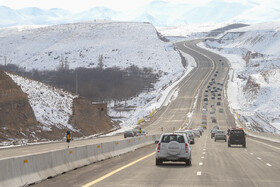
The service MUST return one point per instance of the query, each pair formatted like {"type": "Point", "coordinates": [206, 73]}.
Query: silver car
{"type": "Point", "coordinates": [191, 136]}
{"type": "Point", "coordinates": [196, 133]}
{"type": "Point", "coordinates": [173, 147]}
{"type": "Point", "coordinates": [220, 135]}
{"type": "Point", "coordinates": [184, 132]}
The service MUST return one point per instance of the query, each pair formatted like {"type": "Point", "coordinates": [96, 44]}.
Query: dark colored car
{"type": "Point", "coordinates": [128, 134]}
{"type": "Point", "coordinates": [237, 137]}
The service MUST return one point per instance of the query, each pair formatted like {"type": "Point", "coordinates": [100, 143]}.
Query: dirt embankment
{"type": "Point", "coordinates": [18, 122]}
{"type": "Point", "coordinates": [89, 119]}
{"type": "Point", "coordinates": [17, 119]}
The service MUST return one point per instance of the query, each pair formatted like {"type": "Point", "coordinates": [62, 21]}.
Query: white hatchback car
{"type": "Point", "coordinates": [173, 147]}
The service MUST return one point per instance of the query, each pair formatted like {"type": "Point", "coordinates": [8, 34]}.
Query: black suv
{"type": "Point", "coordinates": [237, 136]}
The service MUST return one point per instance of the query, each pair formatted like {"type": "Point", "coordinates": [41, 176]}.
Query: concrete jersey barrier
{"type": "Point", "coordinates": [24, 170]}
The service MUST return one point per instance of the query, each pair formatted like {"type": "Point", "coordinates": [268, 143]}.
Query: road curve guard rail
{"type": "Point", "coordinates": [29, 169]}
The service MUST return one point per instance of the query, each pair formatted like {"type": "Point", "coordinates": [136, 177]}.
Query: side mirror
{"type": "Point", "coordinates": [156, 142]}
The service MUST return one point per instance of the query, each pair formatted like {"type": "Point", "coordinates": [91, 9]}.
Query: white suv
{"type": "Point", "coordinates": [173, 147]}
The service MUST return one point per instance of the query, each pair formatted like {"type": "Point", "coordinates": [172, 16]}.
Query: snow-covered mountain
{"type": "Point", "coordinates": [253, 89]}
{"type": "Point", "coordinates": [159, 13]}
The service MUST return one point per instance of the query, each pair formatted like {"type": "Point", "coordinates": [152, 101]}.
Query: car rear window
{"type": "Point", "coordinates": [175, 137]}
{"type": "Point", "coordinates": [221, 132]}
{"type": "Point", "coordinates": [237, 132]}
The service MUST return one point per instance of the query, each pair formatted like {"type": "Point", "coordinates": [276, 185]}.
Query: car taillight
{"type": "Point", "coordinates": [187, 147]}
{"type": "Point", "coordinates": [158, 148]}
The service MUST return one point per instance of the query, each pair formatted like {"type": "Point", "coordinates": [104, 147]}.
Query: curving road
{"type": "Point", "coordinates": [213, 163]}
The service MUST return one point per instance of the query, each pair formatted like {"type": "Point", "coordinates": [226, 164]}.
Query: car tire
{"type": "Point", "coordinates": [189, 162]}
{"type": "Point", "coordinates": [244, 145]}
{"type": "Point", "coordinates": [215, 139]}
{"type": "Point", "coordinates": [225, 140]}
{"type": "Point", "coordinates": [229, 145]}
{"type": "Point", "coordinates": [158, 162]}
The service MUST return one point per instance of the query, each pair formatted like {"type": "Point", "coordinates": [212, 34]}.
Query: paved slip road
{"type": "Point", "coordinates": [213, 163]}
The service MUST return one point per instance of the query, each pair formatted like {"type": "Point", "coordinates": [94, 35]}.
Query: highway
{"type": "Point", "coordinates": [213, 163]}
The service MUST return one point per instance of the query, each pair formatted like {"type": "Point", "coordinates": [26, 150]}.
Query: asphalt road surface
{"type": "Point", "coordinates": [213, 163]}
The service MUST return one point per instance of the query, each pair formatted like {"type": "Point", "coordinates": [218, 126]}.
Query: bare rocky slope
{"type": "Point", "coordinates": [17, 119]}
{"type": "Point", "coordinates": [18, 122]}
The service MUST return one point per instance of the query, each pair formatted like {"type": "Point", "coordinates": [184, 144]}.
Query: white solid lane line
{"type": "Point", "coordinates": [268, 164]}
{"type": "Point", "coordinates": [200, 163]}
{"type": "Point", "coordinates": [198, 173]}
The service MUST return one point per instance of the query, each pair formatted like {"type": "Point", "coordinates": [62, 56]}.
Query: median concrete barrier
{"type": "Point", "coordinates": [24, 170]}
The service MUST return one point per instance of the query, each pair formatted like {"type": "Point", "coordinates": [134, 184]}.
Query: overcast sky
{"type": "Point", "coordinates": [80, 5]}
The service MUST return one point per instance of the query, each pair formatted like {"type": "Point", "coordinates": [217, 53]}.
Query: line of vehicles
{"type": "Point", "coordinates": [213, 94]}
{"type": "Point", "coordinates": [176, 147]}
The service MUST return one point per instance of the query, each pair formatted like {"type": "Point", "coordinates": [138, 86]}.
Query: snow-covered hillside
{"type": "Point", "coordinates": [253, 89]}
{"type": "Point", "coordinates": [51, 106]}
{"type": "Point", "coordinates": [119, 44]}
{"type": "Point", "coordinates": [190, 31]}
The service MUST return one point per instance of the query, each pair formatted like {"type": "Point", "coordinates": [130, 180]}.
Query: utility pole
{"type": "Point", "coordinates": [76, 78]}
{"type": "Point", "coordinates": [76, 82]}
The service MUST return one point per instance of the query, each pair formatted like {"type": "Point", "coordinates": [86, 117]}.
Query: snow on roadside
{"type": "Point", "coordinates": [51, 106]}
{"type": "Point", "coordinates": [253, 87]}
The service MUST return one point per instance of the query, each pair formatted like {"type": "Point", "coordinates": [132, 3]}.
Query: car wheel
{"type": "Point", "coordinates": [158, 162]}
{"type": "Point", "coordinates": [215, 139]}
{"type": "Point", "coordinates": [229, 145]}
{"type": "Point", "coordinates": [244, 145]}
{"type": "Point", "coordinates": [189, 162]}
{"type": "Point", "coordinates": [225, 140]}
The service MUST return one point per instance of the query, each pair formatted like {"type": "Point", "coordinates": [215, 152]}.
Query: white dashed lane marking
{"type": "Point", "coordinates": [251, 153]}
{"type": "Point", "coordinates": [203, 153]}
{"type": "Point", "coordinates": [200, 163]}
{"type": "Point", "coordinates": [259, 158]}
{"type": "Point", "coordinates": [268, 164]}
{"type": "Point", "coordinates": [202, 157]}
{"type": "Point", "coordinates": [198, 173]}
